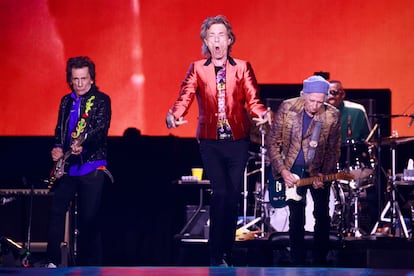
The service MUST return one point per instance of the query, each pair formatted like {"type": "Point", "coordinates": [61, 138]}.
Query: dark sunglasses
{"type": "Point", "coordinates": [334, 92]}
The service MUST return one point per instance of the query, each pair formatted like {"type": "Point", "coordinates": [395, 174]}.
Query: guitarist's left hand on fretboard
{"type": "Point", "coordinates": [318, 184]}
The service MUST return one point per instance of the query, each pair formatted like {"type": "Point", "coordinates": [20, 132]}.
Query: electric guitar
{"type": "Point", "coordinates": [282, 193]}
{"type": "Point", "coordinates": [277, 192]}
{"type": "Point", "coordinates": [59, 166]}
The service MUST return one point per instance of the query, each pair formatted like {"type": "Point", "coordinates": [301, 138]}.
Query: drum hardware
{"type": "Point", "coordinates": [259, 196]}
{"type": "Point", "coordinates": [392, 207]}
{"type": "Point", "coordinates": [360, 163]}
{"type": "Point", "coordinates": [377, 128]}
{"type": "Point", "coordinates": [355, 230]}
{"type": "Point", "coordinates": [378, 178]}
{"type": "Point", "coordinates": [363, 178]}
{"type": "Point", "coordinates": [245, 185]}
{"type": "Point", "coordinates": [394, 141]}
{"type": "Point", "coordinates": [349, 141]}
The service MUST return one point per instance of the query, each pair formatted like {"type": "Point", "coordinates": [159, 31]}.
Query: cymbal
{"type": "Point", "coordinates": [397, 140]}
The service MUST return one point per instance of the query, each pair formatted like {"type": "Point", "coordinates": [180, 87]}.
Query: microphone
{"type": "Point", "coordinates": [411, 121]}
{"type": "Point", "coordinates": [170, 120]}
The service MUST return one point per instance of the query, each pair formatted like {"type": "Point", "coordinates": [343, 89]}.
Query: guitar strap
{"type": "Point", "coordinates": [84, 119]}
{"type": "Point", "coordinates": [314, 142]}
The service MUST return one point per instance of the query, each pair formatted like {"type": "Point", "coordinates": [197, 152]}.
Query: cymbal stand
{"type": "Point", "coordinates": [246, 188]}
{"type": "Point", "coordinates": [377, 128]}
{"type": "Point", "coordinates": [245, 194]}
{"type": "Point", "coordinates": [260, 196]}
{"type": "Point", "coordinates": [356, 231]}
{"type": "Point", "coordinates": [262, 172]}
{"type": "Point", "coordinates": [378, 170]}
{"type": "Point", "coordinates": [392, 205]}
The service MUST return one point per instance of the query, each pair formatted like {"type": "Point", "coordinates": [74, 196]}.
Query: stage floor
{"type": "Point", "coordinates": [203, 271]}
{"type": "Point", "coordinates": [368, 256]}
{"type": "Point", "coordinates": [368, 252]}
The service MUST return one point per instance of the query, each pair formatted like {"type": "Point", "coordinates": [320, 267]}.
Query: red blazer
{"type": "Point", "coordinates": [242, 96]}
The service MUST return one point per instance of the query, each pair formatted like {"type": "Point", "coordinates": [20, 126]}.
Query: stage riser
{"type": "Point", "coordinates": [387, 254]}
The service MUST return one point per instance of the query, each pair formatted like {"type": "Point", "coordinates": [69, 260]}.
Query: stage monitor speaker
{"type": "Point", "coordinates": [198, 227]}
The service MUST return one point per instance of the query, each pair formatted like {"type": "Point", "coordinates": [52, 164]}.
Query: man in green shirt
{"type": "Point", "coordinates": [354, 119]}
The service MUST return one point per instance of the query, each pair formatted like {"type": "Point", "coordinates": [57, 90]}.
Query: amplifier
{"type": "Point", "coordinates": [197, 227]}
{"type": "Point", "coordinates": [15, 214]}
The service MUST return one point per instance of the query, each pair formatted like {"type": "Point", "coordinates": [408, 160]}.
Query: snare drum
{"type": "Point", "coordinates": [359, 160]}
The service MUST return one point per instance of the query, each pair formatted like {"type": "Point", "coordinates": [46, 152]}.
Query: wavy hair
{"type": "Point", "coordinates": [219, 19]}
{"type": "Point", "coordinates": [80, 62]}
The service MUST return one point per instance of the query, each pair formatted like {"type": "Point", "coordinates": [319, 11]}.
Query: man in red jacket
{"type": "Point", "coordinates": [226, 91]}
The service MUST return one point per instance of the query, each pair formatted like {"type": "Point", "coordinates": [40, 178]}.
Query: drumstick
{"type": "Point", "coordinates": [371, 133]}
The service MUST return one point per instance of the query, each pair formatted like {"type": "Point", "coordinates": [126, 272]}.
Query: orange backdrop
{"type": "Point", "coordinates": [142, 50]}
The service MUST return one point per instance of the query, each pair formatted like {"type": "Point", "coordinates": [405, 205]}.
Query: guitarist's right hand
{"type": "Point", "coordinates": [57, 153]}
{"type": "Point", "coordinates": [289, 179]}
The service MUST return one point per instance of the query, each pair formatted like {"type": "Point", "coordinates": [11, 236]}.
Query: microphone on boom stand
{"type": "Point", "coordinates": [348, 143]}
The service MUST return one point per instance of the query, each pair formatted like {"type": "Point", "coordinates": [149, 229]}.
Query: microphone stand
{"type": "Point", "coordinates": [262, 171]}
{"type": "Point", "coordinates": [26, 259]}
{"type": "Point", "coordinates": [349, 141]}
{"type": "Point", "coordinates": [378, 172]}
{"type": "Point", "coordinates": [353, 195]}
{"type": "Point", "coordinates": [377, 127]}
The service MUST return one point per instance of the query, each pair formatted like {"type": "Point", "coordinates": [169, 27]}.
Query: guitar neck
{"type": "Point", "coordinates": [67, 154]}
{"type": "Point", "coordinates": [323, 178]}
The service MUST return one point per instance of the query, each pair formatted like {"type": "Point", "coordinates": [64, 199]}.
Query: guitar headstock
{"type": "Point", "coordinates": [345, 176]}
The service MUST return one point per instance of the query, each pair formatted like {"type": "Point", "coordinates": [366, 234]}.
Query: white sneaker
{"type": "Point", "coordinates": [51, 265]}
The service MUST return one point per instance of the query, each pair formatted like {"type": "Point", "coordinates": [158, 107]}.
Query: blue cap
{"type": "Point", "coordinates": [315, 84]}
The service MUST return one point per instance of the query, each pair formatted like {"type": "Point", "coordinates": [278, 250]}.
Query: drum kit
{"type": "Point", "coordinates": [357, 158]}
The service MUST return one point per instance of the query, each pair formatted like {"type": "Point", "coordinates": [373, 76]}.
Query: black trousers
{"type": "Point", "coordinates": [89, 189]}
{"type": "Point", "coordinates": [322, 226]}
{"type": "Point", "coordinates": [224, 163]}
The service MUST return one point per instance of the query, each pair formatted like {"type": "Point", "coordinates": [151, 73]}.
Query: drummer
{"type": "Point", "coordinates": [355, 126]}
